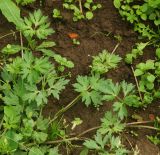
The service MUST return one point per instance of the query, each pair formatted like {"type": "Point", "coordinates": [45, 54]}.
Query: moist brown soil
{"type": "Point", "coordinates": [94, 35]}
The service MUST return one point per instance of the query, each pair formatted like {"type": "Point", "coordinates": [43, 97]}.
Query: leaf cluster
{"type": "Point", "coordinates": [79, 7]}
{"type": "Point", "coordinates": [104, 62]}
{"type": "Point", "coordinates": [95, 90]}
{"type": "Point", "coordinates": [25, 87]}
{"type": "Point", "coordinates": [105, 141]}
{"type": "Point", "coordinates": [138, 13]}
{"type": "Point", "coordinates": [57, 13]}
{"type": "Point", "coordinates": [106, 144]}
{"type": "Point", "coordinates": [135, 52]}
{"type": "Point", "coordinates": [148, 74]}
{"type": "Point", "coordinates": [36, 25]}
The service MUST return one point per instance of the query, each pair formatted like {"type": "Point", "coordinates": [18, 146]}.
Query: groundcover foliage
{"type": "Point", "coordinates": [28, 81]}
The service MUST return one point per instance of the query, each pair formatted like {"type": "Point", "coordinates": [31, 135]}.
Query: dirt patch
{"type": "Point", "coordinates": [95, 35]}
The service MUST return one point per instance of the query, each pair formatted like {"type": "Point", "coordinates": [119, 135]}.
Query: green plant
{"type": "Point", "coordinates": [44, 47]}
{"type": "Point", "coordinates": [138, 13]}
{"type": "Point", "coordinates": [89, 4]}
{"type": "Point", "coordinates": [11, 49]}
{"type": "Point", "coordinates": [76, 122]}
{"type": "Point", "coordinates": [147, 82]}
{"type": "Point", "coordinates": [148, 74]}
{"type": "Point", "coordinates": [11, 12]}
{"type": "Point", "coordinates": [36, 25]}
{"type": "Point", "coordinates": [57, 14]}
{"type": "Point", "coordinates": [25, 85]}
{"type": "Point", "coordinates": [111, 124]}
{"type": "Point", "coordinates": [76, 42]}
{"type": "Point", "coordinates": [105, 141]}
{"type": "Point", "coordinates": [63, 62]}
{"type": "Point", "coordinates": [77, 8]}
{"type": "Point", "coordinates": [156, 138]}
{"type": "Point", "coordinates": [24, 2]}
{"type": "Point", "coordinates": [27, 82]}
{"type": "Point", "coordinates": [96, 90]}
{"type": "Point", "coordinates": [135, 52]}
{"type": "Point", "coordinates": [104, 62]}
{"type": "Point", "coordinates": [89, 86]}
{"type": "Point", "coordinates": [106, 144]}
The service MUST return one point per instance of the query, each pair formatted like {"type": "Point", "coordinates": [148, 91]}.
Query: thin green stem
{"type": "Point", "coordinates": [63, 140]}
{"type": "Point", "coordinates": [115, 48]}
{"type": "Point", "coordinates": [60, 112]}
{"type": "Point", "coordinates": [80, 6]}
{"type": "Point", "coordinates": [71, 104]}
{"type": "Point", "coordinates": [137, 84]}
{"type": "Point", "coordinates": [143, 126]}
{"type": "Point", "coordinates": [141, 122]}
{"type": "Point", "coordinates": [80, 136]}
{"type": "Point", "coordinates": [21, 41]}
{"type": "Point", "coordinates": [1, 123]}
{"type": "Point", "coordinates": [89, 130]}
{"type": "Point", "coordinates": [6, 35]}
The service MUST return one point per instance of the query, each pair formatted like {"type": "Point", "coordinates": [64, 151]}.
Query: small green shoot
{"type": "Point", "coordinates": [76, 122]}
{"type": "Point", "coordinates": [57, 14]}
{"type": "Point", "coordinates": [76, 42]}
{"type": "Point", "coordinates": [104, 62]}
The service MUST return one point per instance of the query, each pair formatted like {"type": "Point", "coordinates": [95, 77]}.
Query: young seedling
{"type": "Point", "coordinates": [76, 122]}
{"type": "Point", "coordinates": [57, 14]}
{"type": "Point", "coordinates": [76, 42]}
{"type": "Point", "coordinates": [79, 6]}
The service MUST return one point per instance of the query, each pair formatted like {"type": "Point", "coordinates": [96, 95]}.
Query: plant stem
{"type": "Point", "coordinates": [137, 84]}
{"type": "Point", "coordinates": [1, 123]}
{"type": "Point", "coordinates": [89, 130]}
{"type": "Point", "coordinates": [129, 142]}
{"type": "Point", "coordinates": [80, 138]}
{"type": "Point", "coordinates": [21, 40]}
{"type": "Point", "coordinates": [80, 6]}
{"type": "Point", "coordinates": [144, 126]}
{"type": "Point", "coordinates": [76, 138]}
{"type": "Point", "coordinates": [12, 33]}
{"type": "Point", "coordinates": [73, 102]}
{"type": "Point", "coordinates": [115, 48]}
{"type": "Point", "coordinates": [63, 140]}
{"type": "Point", "coordinates": [142, 122]}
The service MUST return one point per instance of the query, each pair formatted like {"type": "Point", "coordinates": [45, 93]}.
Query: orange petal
{"type": "Point", "coordinates": [73, 35]}
{"type": "Point", "coordinates": [151, 117]}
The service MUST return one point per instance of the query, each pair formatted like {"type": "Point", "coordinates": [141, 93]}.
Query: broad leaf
{"type": "Point", "coordinates": [11, 12]}
{"type": "Point", "coordinates": [35, 151]}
